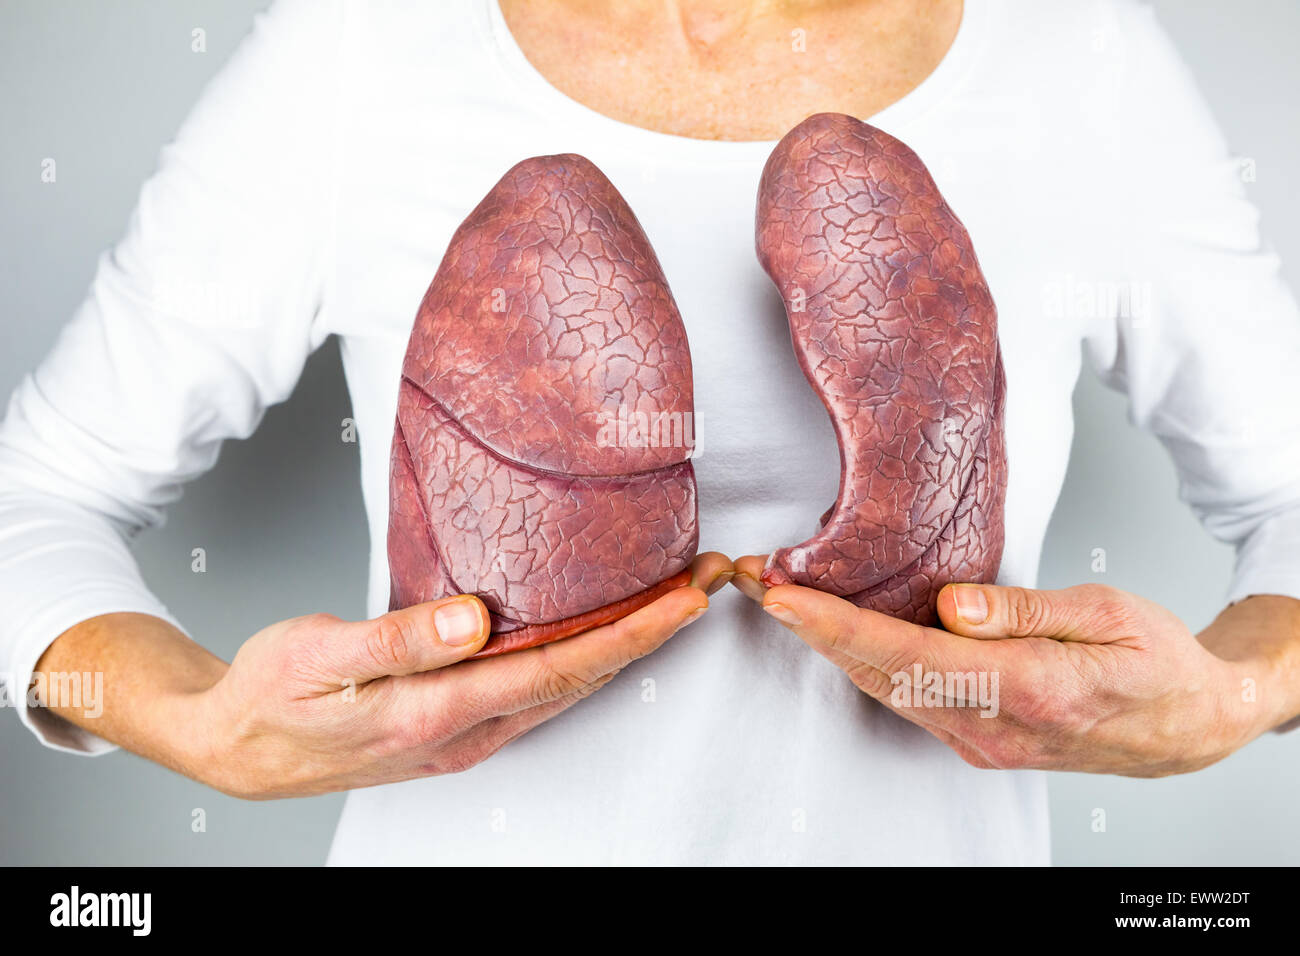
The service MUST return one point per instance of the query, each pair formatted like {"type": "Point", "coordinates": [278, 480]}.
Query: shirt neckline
{"type": "Point", "coordinates": [930, 92]}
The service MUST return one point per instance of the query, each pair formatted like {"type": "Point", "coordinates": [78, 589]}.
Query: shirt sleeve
{"type": "Point", "coordinates": [1205, 336]}
{"type": "Point", "coordinates": [201, 317]}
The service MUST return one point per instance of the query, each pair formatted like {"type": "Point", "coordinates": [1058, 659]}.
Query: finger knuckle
{"type": "Point", "coordinates": [423, 729]}
{"type": "Point", "coordinates": [458, 759]}
{"type": "Point", "coordinates": [636, 639]}
{"type": "Point", "coordinates": [967, 749]}
{"type": "Point", "coordinates": [901, 661]}
{"type": "Point", "coordinates": [1098, 593]}
{"type": "Point", "coordinates": [387, 642]}
{"type": "Point", "coordinates": [897, 669]}
{"type": "Point", "coordinates": [316, 621]}
{"type": "Point", "coordinates": [558, 680]}
{"type": "Point", "coordinates": [973, 758]}
{"type": "Point", "coordinates": [1027, 612]}
{"type": "Point", "coordinates": [871, 681]}
{"type": "Point", "coordinates": [1098, 596]}
{"type": "Point", "coordinates": [1110, 608]}
{"type": "Point", "coordinates": [1006, 752]}
{"type": "Point", "coordinates": [594, 685]}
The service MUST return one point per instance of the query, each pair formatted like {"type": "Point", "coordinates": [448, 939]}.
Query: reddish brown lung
{"type": "Point", "coordinates": [540, 457]}
{"type": "Point", "coordinates": [894, 327]}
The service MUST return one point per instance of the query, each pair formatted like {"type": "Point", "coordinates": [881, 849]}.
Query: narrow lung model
{"type": "Point", "coordinates": [894, 327]}
{"type": "Point", "coordinates": [541, 454]}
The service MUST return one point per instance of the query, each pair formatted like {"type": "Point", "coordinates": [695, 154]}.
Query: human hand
{"type": "Point", "coordinates": [1088, 678]}
{"type": "Point", "coordinates": [315, 704]}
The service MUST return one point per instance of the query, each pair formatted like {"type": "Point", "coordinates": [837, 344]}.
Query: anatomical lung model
{"type": "Point", "coordinates": [894, 327]}
{"type": "Point", "coordinates": [540, 458]}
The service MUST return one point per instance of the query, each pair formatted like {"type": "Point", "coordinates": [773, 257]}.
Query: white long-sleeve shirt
{"type": "Point", "coordinates": [313, 191]}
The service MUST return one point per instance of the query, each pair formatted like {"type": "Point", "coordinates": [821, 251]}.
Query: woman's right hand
{"type": "Point", "coordinates": [316, 704]}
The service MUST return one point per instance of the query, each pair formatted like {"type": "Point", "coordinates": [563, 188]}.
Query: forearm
{"type": "Point", "coordinates": [153, 679]}
{"type": "Point", "coordinates": [1263, 629]}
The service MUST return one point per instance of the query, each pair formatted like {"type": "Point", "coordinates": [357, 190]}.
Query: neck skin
{"type": "Point", "coordinates": [714, 69]}
{"type": "Point", "coordinates": [701, 25]}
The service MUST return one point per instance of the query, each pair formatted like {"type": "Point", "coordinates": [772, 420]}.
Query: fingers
{"type": "Point", "coordinates": [484, 739]}
{"type": "Point", "coordinates": [849, 635]}
{"type": "Point", "coordinates": [711, 571]}
{"type": "Point", "coordinates": [429, 636]}
{"type": "Point", "coordinates": [1089, 612]}
{"type": "Point", "coordinates": [883, 656]}
{"type": "Point", "coordinates": [830, 623]}
{"type": "Point", "coordinates": [748, 574]}
{"type": "Point", "coordinates": [512, 682]}
{"type": "Point", "coordinates": [1019, 703]}
{"type": "Point", "coordinates": [422, 637]}
{"type": "Point", "coordinates": [948, 685]}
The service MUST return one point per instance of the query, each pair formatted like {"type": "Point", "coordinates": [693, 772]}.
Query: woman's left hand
{"type": "Point", "coordinates": [1088, 678]}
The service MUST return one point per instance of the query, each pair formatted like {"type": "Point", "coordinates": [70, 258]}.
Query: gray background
{"type": "Point", "coordinates": [100, 87]}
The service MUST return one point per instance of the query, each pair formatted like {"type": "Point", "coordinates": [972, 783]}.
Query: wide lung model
{"type": "Point", "coordinates": [541, 454]}
{"type": "Point", "coordinates": [894, 327]}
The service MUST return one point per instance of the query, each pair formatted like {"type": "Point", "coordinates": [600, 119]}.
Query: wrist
{"type": "Point", "coordinates": [193, 736]}
{"type": "Point", "coordinates": [1259, 637]}
{"type": "Point", "coordinates": [153, 678]}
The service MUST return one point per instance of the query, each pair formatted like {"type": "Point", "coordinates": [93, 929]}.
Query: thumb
{"type": "Point", "coordinates": [422, 637]}
{"type": "Point", "coordinates": [1088, 612]}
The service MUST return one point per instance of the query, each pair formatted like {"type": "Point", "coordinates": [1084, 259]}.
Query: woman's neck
{"type": "Point", "coordinates": [724, 70]}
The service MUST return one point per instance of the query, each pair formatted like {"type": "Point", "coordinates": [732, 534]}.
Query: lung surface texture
{"type": "Point", "coordinates": [894, 327]}
{"type": "Point", "coordinates": [541, 454]}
